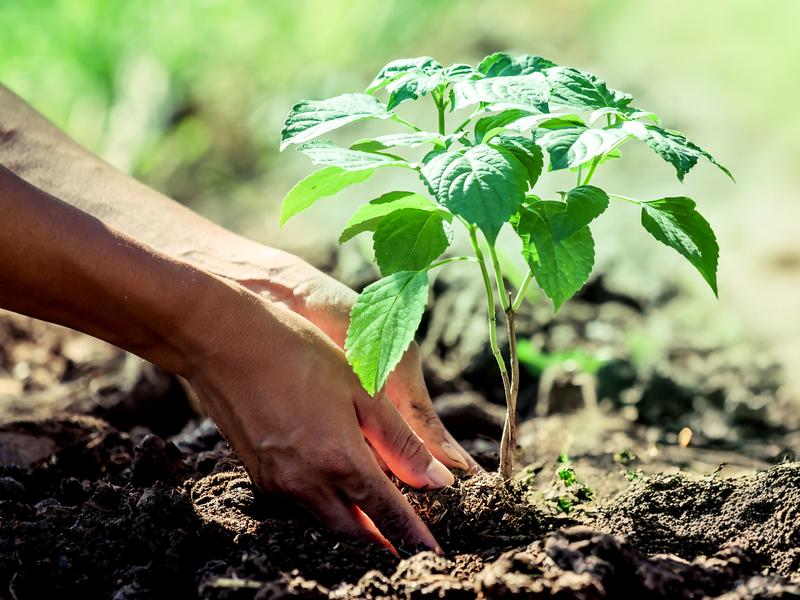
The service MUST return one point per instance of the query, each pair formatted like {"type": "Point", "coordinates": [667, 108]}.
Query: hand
{"type": "Point", "coordinates": [327, 303]}
{"type": "Point", "coordinates": [285, 397]}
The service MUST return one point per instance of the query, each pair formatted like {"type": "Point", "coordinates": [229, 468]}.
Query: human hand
{"type": "Point", "coordinates": [326, 302]}
{"type": "Point", "coordinates": [286, 399]}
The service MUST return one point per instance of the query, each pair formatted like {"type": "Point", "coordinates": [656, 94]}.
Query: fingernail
{"type": "Point", "coordinates": [453, 455]}
{"type": "Point", "coordinates": [439, 475]}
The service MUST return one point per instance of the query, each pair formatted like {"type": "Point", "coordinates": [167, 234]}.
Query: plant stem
{"type": "Point", "coordinates": [508, 442]}
{"type": "Point", "coordinates": [592, 168]}
{"type": "Point", "coordinates": [406, 123]}
{"type": "Point", "coordinates": [440, 108]}
{"type": "Point", "coordinates": [498, 276]}
{"type": "Point", "coordinates": [626, 199]}
{"type": "Point", "coordinates": [487, 284]}
{"type": "Point", "coordinates": [450, 260]}
{"type": "Point", "coordinates": [523, 289]}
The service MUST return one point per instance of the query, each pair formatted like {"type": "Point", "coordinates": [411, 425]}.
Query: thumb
{"type": "Point", "coordinates": [398, 445]}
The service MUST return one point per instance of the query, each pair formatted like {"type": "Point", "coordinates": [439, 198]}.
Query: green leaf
{"type": "Point", "coordinates": [672, 146]}
{"type": "Point", "coordinates": [569, 145]}
{"type": "Point", "coordinates": [328, 154]}
{"type": "Point", "coordinates": [484, 185]}
{"type": "Point", "coordinates": [321, 183]}
{"type": "Point", "coordinates": [676, 223]}
{"type": "Point", "coordinates": [501, 64]}
{"type": "Point", "coordinates": [528, 92]}
{"type": "Point", "coordinates": [461, 72]}
{"type": "Point", "coordinates": [525, 150]}
{"type": "Point", "coordinates": [576, 89]}
{"type": "Point", "coordinates": [411, 86]}
{"type": "Point", "coordinates": [398, 68]}
{"type": "Point", "coordinates": [311, 118]}
{"type": "Point", "coordinates": [368, 216]}
{"type": "Point", "coordinates": [409, 239]}
{"type": "Point", "coordinates": [581, 206]}
{"type": "Point", "coordinates": [382, 325]}
{"type": "Point", "coordinates": [498, 121]}
{"type": "Point", "coordinates": [560, 266]}
{"type": "Point", "coordinates": [407, 140]}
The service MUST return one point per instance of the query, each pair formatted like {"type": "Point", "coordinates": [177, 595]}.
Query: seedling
{"type": "Point", "coordinates": [569, 490]}
{"type": "Point", "coordinates": [516, 113]}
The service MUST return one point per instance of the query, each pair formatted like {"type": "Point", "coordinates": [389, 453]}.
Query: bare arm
{"type": "Point", "coordinates": [40, 153]}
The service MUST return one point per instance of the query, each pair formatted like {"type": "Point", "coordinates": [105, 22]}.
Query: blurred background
{"type": "Point", "coordinates": [190, 96]}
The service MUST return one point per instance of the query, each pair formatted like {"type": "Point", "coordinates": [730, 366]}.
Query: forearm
{"type": "Point", "coordinates": [37, 151]}
{"type": "Point", "coordinates": [62, 265]}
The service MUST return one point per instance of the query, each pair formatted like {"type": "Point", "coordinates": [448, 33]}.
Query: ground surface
{"type": "Point", "coordinates": [111, 485]}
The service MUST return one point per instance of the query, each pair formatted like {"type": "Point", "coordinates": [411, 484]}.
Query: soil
{"type": "Point", "coordinates": [112, 485]}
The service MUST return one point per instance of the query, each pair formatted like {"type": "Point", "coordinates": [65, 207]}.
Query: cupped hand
{"type": "Point", "coordinates": [286, 399]}
{"type": "Point", "coordinates": [326, 302]}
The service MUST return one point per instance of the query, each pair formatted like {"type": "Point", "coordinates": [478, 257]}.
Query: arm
{"type": "Point", "coordinates": [40, 153]}
{"type": "Point", "coordinates": [255, 366]}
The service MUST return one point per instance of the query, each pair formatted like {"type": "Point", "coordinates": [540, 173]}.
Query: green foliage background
{"type": "Point", "coordinates": [190, 95]}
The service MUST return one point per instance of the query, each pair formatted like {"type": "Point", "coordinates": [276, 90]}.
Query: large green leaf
{"type": "Point", "coordinates": [525, 150]}
{"type": "Point", "coordinates": [407, 140]}
{"type": "Point", "coordinates": [311, 118]}
{"type": "Point", "coordinates": [484, 185]}
{"type": "Point", "coordinates": [676, 223]}
{"type": "Point", "coordinates": [569, 145]}
{"type": "Point", "coordinates": [368, 216]}
{"type": "Point", "coordinates": [328, 154]}
{"type": "Point", "coordinates": [560, 265]}
{"type": "Point", "coordinates": [672, 146]}
{"type": "Point", "coordinates": [576, 89]}
{"type": "Point", "coordinates": [382, 325]}
{"type": "Point", "coordinates": [501, 64]}
{"type": "Point", "coordinates": [321, 183]}
{"type": "Point", "coordinates": [397, 68]}
{"type": "Point", "coordinates": [528, 92]}
{"type": "Point", "coordinates": [409, 239]}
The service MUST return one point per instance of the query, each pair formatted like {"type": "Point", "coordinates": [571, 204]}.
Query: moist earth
{"type": "Point", "coordinates": [113, 485]}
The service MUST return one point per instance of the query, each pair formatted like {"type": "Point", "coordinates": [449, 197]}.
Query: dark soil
{"type": "Point", "coordinates": [112, 486]}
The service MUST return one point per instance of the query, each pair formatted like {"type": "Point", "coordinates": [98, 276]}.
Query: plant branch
{"type": "Point", "coordinates": [498, 276]}
{"type": "Point", "coordinates": [508, 443]}
{"type": "Point", "coordinates": [487, 284]}
{"type": "Point", "coordinates": [626, 199]}
{"type": "Point", "coordinates": [450, 260]}
{"type": "Point", "coordinates": [402, 121]}
{"type": "Point", "coordinates": [523, 289]}
{"type": "Point", "coordinates": [592, 168]}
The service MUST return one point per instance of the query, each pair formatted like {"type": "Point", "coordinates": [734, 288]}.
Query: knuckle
{"type": "Point", "coordinates": [410, 446]}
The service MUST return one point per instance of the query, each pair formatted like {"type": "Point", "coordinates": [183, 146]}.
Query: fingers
{"type": "Point", "coordinates": [349, 493]}
{"type": "Point", "coordinates": [397, 444]}
{"type": "Point", "coordinates": [390, 512]}
{"type": "Point", "coordinates": [407, 391]}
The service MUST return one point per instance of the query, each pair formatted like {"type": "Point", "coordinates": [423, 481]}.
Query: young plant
{"type": "Point", "coordinates": [481, 175]}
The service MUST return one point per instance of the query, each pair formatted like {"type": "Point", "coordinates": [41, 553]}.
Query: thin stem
{"type": "Point", "coordinates": [580, 170]}
{"type": "Point", "coordinates": [450, 260]}
{"type": "Point", "coordinates": [626, 199]}
{"type": "Point", "coordinates": [498, 276]}
{"type": "Point", "coordinates": [592, 168]}
{"type": "Point", "coordinates": [404, 122]}
{"type": "Point", "coordinates": [440, 108]}
{"type": "Point", "coordinates": [487, 284]}
{"type": "Point", "coordinates": [468, 119]}
{"type": "Point", "coordinates": [523, 289]}
{"type": "Point", "coordinates": [508, 442]}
